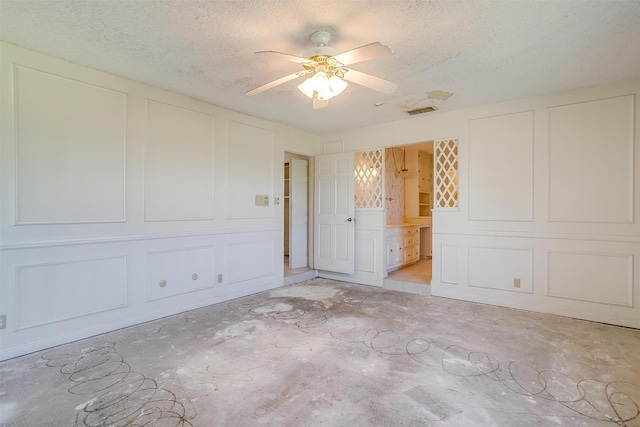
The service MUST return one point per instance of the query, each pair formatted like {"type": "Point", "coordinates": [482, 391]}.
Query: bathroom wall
{"type": "Point", "coordinates": [394, 185]}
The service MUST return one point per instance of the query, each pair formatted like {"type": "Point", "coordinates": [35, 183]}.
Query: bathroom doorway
{"type": "Point", "coordinates": [409, 184]}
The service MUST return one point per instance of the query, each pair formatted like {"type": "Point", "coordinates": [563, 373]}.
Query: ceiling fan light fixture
{"type": "Point", "coordinates": [337, 85]}
{"type": "Point", "coordinates": [320, 82]}
{"type": "Point", "coordinates": [327, 72]}
{"type": "Point", "coordinates": [306, 87]}
{"type": "Point", "coordinates": [322, 87]}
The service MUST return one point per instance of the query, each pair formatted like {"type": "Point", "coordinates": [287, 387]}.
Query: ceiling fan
{"type": "Point", "coordinates": [327, 70]}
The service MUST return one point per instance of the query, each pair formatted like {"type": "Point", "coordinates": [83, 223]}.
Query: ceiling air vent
{"type": "Point", "coordinates": [421, 110]}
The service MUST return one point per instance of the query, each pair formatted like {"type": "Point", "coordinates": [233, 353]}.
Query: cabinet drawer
{"type": "Point", "coordinates": [409, 256]}
{"type": "Point", "coordinates": [408, 241]}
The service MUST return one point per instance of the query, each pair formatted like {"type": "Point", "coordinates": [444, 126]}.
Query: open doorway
{"type": "Point", "coordinates": [296, 218]}
{"type": "Point", "coordinates": [409, 188]}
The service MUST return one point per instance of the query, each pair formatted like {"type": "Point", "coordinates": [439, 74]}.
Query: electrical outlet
{"type": "Point", "coordinates": [3, 321]}
{"type": "Point", "coordinates": [516, 282]}
{"type": "Point", "coordinates": [219, 278]}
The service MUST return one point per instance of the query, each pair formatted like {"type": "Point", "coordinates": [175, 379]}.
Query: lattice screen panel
{"type": "Point", "coordinates": [446, 158]}
{"type": "Point", "coordinates": [368, 172]}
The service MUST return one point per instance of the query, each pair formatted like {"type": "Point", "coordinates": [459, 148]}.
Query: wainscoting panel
{"type": "Point", "coordinates": [593, 277]}
{"type": "Point", "coordinates": [179, 183]}
{"type": "Point", "coordinates": [591, 161]}
{"type": "Point", "coordinates": [366, 245]}
{"type": "Point", "coordinates": [70, 156]}
{"type": "Point", "coordinates": [250, 171]}
{"type": "Point", "coordinates": [499, 268]}
{"type": "Point", "coordinates": [179, 271]}
{"type": "Point", "coordinates": [250, 260]}
{"type": "Point", "coordinates": [52, 292]}
{"type": "Point", "coordinates": [449, 264]}
{"type": "Point", "coordinates": [501, 168]}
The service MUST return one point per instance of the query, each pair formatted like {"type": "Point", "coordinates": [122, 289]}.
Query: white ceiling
{"type": "Point", "coordinates": [482, 51]}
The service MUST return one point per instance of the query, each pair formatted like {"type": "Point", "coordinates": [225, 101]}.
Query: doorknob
{"type": "Point", "coordinates": [349, 219]}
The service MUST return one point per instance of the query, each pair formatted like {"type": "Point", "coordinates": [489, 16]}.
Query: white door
{"type": "Point", "coordinates": [334, 211]}
{"type": "Point", "coordinates": [298, 185]}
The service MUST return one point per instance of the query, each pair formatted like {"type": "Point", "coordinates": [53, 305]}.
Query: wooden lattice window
{"type": "Point", "coordinates": [446, 177]}
{"type": "Point", "coordinates": [368, 182]}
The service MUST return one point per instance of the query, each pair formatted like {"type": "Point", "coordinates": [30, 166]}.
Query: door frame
{"type": "Point", "coordinates": [288, 154]}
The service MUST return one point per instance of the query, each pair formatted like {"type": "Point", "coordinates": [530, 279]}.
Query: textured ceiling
{"type": "Point", "coordinates": [482, 51]}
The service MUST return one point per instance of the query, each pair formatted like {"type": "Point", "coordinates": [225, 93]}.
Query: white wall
{"type": "Point", "coordinates": [549, 193]}
{"type": "Point", "coordinates": [123, 203]}
{"type": "Point", "coordinates": [109, 188]}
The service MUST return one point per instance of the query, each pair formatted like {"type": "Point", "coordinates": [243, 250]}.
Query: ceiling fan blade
{"type": "Point", "coordinates": [363, 53]}
{"type": "Point", "coordinates": [284, 56]}
{"type": "Point", "coordinates": [372, 82]}
{"type": "Point", "coordinates": [318, 104]}
{"type": "Point", "coordinates": [275, 83]}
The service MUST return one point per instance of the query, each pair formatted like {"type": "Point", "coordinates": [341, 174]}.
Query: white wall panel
{"type": "Point", "coordinates": [601, 278]}
{"type": "Point", "coordinates": [70, 136]}
{"type": "Point", "coordinates": [180, 271]}
{"type": "Point", "coordinates": [250, 152]}
{"type": "Point", "coordinates": [496, 268]}
{"type": "Point", "coordinates": [250, 260]}
{"type": "Point", "coordinates": [366, 246]}
{"type": "Point", "coordinates": [501, 168]}
{"type": "Point", "coordinates": [179, 182]}
{"type": "Point", "coordinates": [70, 156]}
{"type": "Point", "coordinates": [449, 264]}
{"type": "Point", "coordinates": [591, 161]}
{"type": "Point", "coordinates": [47, 293]}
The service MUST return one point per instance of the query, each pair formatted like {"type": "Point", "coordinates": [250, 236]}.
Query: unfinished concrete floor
{"type": "Point", "coordinates": [335, 354]}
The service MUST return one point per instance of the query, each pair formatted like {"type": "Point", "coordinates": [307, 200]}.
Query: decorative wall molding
{"type": "Point", "coordinates": [242, 260]}
{"type": "Point", "coordinates": [69, 277]}
{"type": "Point", "coordinates": [501, 167]}
{"type": "Point", "coordinates": [580, 267]}
{"type": "Point", "coordinates": [179, 271]}
{"type": "Point", "coordinates": [544, 236]}
{"type": "Point", "coordinates": [249, 148]}
{"type": "Point", "coordinates": [499, 266]}
{"type": "Point", "coordinates": [365, 253]}
{"type": "Point", "coordinates": [449, 264]}
{"type": "Point", "coordinates": [171, 172]}
{"type": "Point", "coordinates": [581, 186]}
{"type": "Point", "coordinates": [134, 237]}
{"type": "Point", "coordinates": [92, 194]}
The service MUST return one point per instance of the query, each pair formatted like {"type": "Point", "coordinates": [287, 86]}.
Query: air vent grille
{"type": "Point", "coordinates": [421, 110]}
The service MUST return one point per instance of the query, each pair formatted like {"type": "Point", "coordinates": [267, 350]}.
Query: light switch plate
{"type": "Point", "coordinates": [262, 200]}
